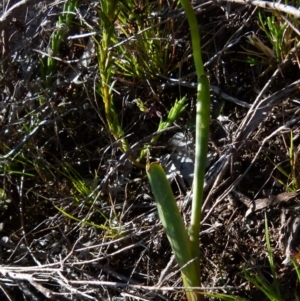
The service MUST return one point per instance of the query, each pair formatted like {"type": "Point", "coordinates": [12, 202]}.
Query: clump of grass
{"type": "Point", "coordinates": [279, 31]}
{"type": "Point", "coordinates": [145, 49]}
{"type": "Point", "coordinates": [84, 194]}
{"type": "Point", "coordinates": [282, 35]}
{"type": "Point", "coordinates": [141, 55]}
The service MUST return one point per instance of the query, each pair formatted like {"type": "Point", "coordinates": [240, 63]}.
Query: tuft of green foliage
{"type": "Point", "coordinates": [271, 290]}
{"type": "Point", "coordinates": [132, 45]}
{"type": "Point", "coordinates": [291, 173]}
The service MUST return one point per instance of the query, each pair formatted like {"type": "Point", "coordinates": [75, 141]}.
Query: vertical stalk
{"type": "Point", "coordinates": [201, 142]}
{"type": "Point", "coordinates": [186, 247]}
{"type": "Point", "coordinates": [195, 37]}
{"type": "Point", "coordinates": [202, 130]}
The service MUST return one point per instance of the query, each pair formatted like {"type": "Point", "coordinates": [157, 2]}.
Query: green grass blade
{"type": "Point", "coordinates": [84, 222]}
{"type": "Point", "coordinates": [225, 297]}
{"type": "Point", "coordinates": [271, 259]}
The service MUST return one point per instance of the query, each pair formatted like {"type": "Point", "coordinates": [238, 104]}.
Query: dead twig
{"type": "Point", "coordinates": [272, 6]}
{"type": "Point", "coordinates": [13, 11]}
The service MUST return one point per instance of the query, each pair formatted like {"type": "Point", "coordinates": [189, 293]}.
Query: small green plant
{"type": "Point", "coordinates": [292, 173]}
{"type": "Point", "coordinates": [175, 230]}
{"type": "Point", "coordinates": [279, 33]}
{"type": "Point", "coordinates": [271, 290]}
{"type": "Point", "coordinates": [65, 19]}
{"type": "Point", "coordinates": [282, 38]}
{"type": "Point", "coordinates": [145, 51]}
{"type": "Point", "coordinates": [185, 242]}
{"type": "Point", "coordinates": [174, 113]}
{"type": "Point", "coordinates": [141, 56]}
{"type": "Point", "coordinates": [83, 193]}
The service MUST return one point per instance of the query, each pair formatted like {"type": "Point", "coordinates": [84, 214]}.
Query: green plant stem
{"type": "Point", "coordinates": [195, 36]}
{"type": "Point", "coordinates": [201, 143]}
{"type": "Point", "coordinates": [202, 130]}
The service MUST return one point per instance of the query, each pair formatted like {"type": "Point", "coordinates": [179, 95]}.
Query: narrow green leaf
{"type": "Point", "coordinates": [173, 225]}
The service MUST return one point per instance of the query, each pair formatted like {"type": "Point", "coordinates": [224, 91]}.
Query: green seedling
{"type": "Point", "coordinates": [187, 253]}
{"type": "Point", "coordinates": [174, 113]}
{"type": "Point", "coordinates": [175, 230]}
{"type": "Point", "coordinates": [279, 32]}
{"type": "Point", "coordinates": [65, 20]}
{"type": "Point", "coordinates": [291, 175]}
{"type": "Point", "coordinates": [271, 290]}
